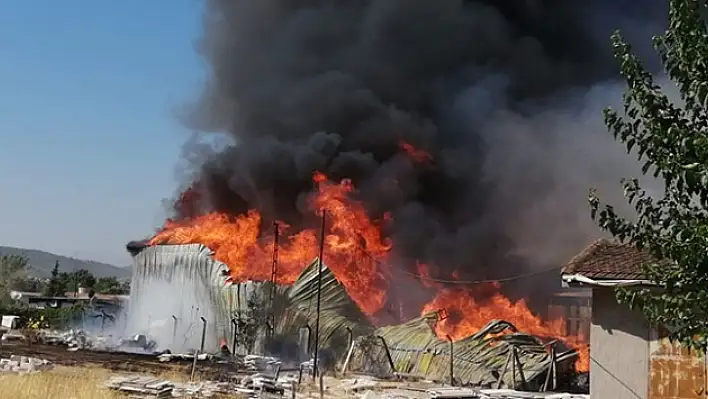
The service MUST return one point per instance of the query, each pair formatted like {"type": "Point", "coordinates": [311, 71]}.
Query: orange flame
{"type": "Point", "coordinates": [465, 316]}
{"type": "Point", "coordinates": [356, 252]}
{"type": "Point", "coordinates": [354, 245]}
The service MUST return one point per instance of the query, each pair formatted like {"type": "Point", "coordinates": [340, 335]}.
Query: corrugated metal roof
{"type": "Point", "coordinates": [413, 346]}
{"type": "Point", "coordinates": [294, 306]}
{"type": "Point", "coordinates": [477, 360]}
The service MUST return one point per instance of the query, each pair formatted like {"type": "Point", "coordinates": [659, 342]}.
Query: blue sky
{"type": "Point", "coordinates": [89, 140]}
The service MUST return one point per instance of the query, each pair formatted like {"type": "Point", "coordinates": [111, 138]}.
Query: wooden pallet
{"type": "Point", "coordinates": [145, 386]}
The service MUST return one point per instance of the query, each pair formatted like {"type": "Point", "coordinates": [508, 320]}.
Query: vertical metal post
{"type": "Point", "coordinates": [233, 343]}
{"type": "Point", "coordinates": [551, 359]}
{"type": "Point", "coordinates": [194, 366]}
{"type": "Point", "coordinates": [204, 326]}
{"type": "Point", "coordinates": [350, 336]}
{"type": "Point", "coordinates": [174, 329]}
{"type": "Point", "coordinates": [554, 369]}
{"type": "Point", "coordinates": [452, 361]}
{"type": "Point", "coordinates": [319, 294]}
{"type": "Point", "coordinates": [274, 276]}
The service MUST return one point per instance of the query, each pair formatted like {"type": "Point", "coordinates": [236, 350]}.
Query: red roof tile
{"type": "Point", "coordinates": [608, 260]}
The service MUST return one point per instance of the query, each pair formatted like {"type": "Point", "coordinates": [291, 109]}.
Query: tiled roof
{"type": "Point", "coordinates": [608, 260]}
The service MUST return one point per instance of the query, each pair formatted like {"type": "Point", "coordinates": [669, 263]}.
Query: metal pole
{"type": "Point", "coordinates": [273, 278]}
{"type": "Point", "coordinates": [452, 361]}
{"type": "Point", "coordinates": [76, 284]}
{"type": "Point", "coordinates": [319, 294]}
{"type": "Point", "coordinates": [233, 344]}
{"type": "Point", "coordinates": [204, 322]}
{"type": "Point", "coordinates": [174, 329]}
{"type": "Point", "coordinates": [194, 365]}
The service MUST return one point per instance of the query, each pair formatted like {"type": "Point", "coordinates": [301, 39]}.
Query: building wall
{"type": "Point", "coordinates": [574, 306]}
{"type": "Point", "coordinates": [619, 349]}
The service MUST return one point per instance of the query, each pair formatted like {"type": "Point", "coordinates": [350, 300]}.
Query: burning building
{"type": "Point", "coordinates": [216, 263]}
{"type": "Point", "coordinates": [178, 290]}
{"type": "Point", "coordinates": [450, 145]}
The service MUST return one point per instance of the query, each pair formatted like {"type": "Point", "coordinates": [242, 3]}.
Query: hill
{"type": "Point", "coordinates": [42, 263]}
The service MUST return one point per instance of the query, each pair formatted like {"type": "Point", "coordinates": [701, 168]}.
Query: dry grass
{"type": "Point", "coordinates": [60, 383]}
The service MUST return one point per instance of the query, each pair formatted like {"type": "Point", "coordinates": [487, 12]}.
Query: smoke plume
{"type": "Point", "coordinates": [506, 96]}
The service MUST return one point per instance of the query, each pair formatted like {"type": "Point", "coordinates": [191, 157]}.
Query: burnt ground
{"type": "Point", "coordinates": [114, 361]}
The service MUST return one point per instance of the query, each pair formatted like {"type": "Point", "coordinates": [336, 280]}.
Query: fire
{"type": "Point", "coordinates": [356, 252]}
{"type": "Point", "coordinates": [465, 316]}
{"type": "Point", "coordinates": [355, 249]}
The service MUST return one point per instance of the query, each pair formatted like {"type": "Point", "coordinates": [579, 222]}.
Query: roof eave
{"type": "Point", "coordinates": [579, 280]}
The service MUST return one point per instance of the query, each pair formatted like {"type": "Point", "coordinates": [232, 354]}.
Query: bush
{"type": "Point", "coordinates": [53, 318]}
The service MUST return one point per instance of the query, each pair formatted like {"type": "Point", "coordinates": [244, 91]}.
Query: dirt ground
{"type": "Point", "coordinates": [114, 361]}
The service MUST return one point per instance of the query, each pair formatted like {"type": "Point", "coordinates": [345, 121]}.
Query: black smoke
{"type": "Point", "coordinates": [496, 91]}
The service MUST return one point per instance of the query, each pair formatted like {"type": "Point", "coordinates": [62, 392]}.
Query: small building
{"type": "Point", "coordinates": [629, 358]}
{"type": "Point", "coordinates": [107, 303]}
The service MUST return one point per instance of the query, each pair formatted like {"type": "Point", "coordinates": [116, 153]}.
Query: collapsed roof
{"type": "Point", "coordinates": [486, 358]}
{"type": "Point", "coordinates": [414, 347]}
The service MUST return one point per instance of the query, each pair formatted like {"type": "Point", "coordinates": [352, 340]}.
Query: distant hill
{"type": "Point", "coordinates": [42, 263]}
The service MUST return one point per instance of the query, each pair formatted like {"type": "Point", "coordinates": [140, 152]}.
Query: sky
{"type": "Point", "coordinates": [89, 134]}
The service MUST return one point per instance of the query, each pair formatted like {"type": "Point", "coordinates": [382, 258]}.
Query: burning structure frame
{"type": "Point", "coordinates": [260, 317]}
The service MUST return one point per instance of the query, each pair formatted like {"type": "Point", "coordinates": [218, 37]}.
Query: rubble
{"type": "Point", "coordinates": [168, 357]}
{"type": "Point", "coordinates": [252, 386]}
{"type": "Point", "coordinates": [12, 335]}
{"type": "Point", "coordinates": [77, 339]}
{"type": "Point", "coordinates": [260, 363]}
{"type": "Point", "coordinates": [139, 341]}
{"type": "Point", "coordinates": [24, 364]}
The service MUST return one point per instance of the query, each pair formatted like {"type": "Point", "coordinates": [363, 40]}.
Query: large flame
{"type": "Point", "coordinates": [356, 252]}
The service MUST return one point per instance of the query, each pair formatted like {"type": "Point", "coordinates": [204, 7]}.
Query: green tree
{"type": "Point", "coordinates": [125, 287]}
{"type": "Point", "coordinates": [110, 285]}
{"type": "Point", "coordinates": [13, 271]}
{"type": "Point", "coordinates": [55, 286]}
{"type": "Point", "coordinates": [671, 141]}
{"type": "Point", "coordinates": [82, 278]}
{"type": "Point", "coordinates": [70, 282]}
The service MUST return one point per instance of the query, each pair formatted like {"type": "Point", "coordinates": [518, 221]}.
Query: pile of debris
{"type": "Point", "coordinates": [168, 357]}
{"type": "Point", "coordinates": [74, 338]}
{"type": "Point", "coordinates": [260, 363]}
{"type": "Point", "coordinates": [24, 364]}
{"type": "Point", "coordinates": [138, 342]}
{"type": "Point", "coordinates": [145, 386]}
{"type": "Point", "coordinates": [252, 386]}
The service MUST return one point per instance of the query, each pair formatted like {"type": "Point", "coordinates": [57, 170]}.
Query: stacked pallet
{"type": "Point", "coordinates": [24, 364]}
{"type": "Point", "coordinates": [144, 386]}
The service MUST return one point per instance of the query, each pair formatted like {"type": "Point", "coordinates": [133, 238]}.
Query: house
{"type": "Point", "coordinates": [629, 358]}
{"type": "Point", "coordinates": [107, 303]}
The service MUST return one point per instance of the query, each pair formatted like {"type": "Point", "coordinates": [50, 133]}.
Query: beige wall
{"type": "Point", "coordinates": [619, 349]}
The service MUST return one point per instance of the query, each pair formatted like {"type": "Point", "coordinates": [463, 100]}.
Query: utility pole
{"type": "Point", "coordinates": [76, 279]}
{"type": "Point", "coordinates": [274, 276]}
{"type": "Point", "coordinates": [319, 294]}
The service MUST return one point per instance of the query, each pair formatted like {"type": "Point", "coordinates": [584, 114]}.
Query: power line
{"type": "Point", "coordinates": [465, 282]}
{"type": "Point", "coordinates": [471, 282]}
